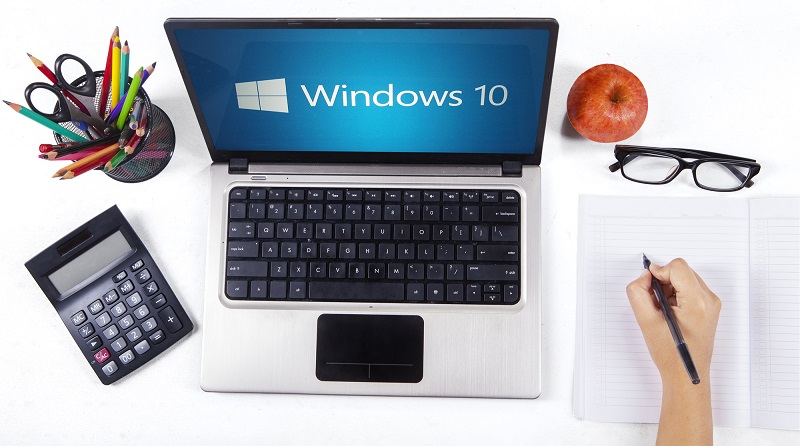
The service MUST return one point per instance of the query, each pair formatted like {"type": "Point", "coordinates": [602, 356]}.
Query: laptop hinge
{"type": "Point", "coordinates": [238, 165]}
{"type": "Point", "coordinates": [512, 169]}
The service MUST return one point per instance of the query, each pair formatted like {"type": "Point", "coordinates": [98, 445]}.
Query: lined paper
{"type": "Point", "coordinates": [619, 380]}
{"type": "Point", "coordinates": [775, 312]}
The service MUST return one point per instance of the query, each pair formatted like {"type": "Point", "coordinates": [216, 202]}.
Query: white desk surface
{"type": "Point", "coordinates": [720, 76]}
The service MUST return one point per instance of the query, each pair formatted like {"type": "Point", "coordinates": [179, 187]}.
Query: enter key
{"type": "Point", "coordinates": [498, 253]}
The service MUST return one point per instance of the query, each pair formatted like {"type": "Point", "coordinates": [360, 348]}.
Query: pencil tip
{"type": "Point", "coordinates": [29, 54]}
{"type": "Point", "coordinates": [7, 103]}
{"type": "Point", "coordinates": [154, 64]}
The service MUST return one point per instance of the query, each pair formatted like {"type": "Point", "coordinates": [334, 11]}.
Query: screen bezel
{"type": "Point", "coordinates": [533, 158]}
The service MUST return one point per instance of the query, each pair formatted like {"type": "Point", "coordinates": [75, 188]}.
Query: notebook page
{"type": "Point", "coordinates": [620, 381]}
{"type": "Point", "coordinates": [775, 312]}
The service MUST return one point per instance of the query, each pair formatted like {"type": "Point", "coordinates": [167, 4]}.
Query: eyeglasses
{"type": "Point", "coordinates": [711, 171]}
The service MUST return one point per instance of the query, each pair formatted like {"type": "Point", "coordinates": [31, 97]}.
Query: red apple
{"type": "Point", "coordinates": [607, 103]}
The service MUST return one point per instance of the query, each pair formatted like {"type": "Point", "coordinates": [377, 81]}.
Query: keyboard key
{"type": "Point", "coordinates": [505, 234]}
{"type": "Point", "coordinates": [356, 291]}
{"type": "Point", "coordinates": [490, 197]}
{"type": "Point", "coordinates": [277, 194]}
{"type": "Point", "coordinates": [236, 289]}
{"type": "Point", "coordinates": [170, 320]}
{"type": "Point", "coordinates": [78, 318]}
{"type": "Point", "coordinates": [509, 197]}
{"type": "Point", "coordinates": [243, 249]}
{"type": "Point", "coordinates": [500, 214]}
{"type": "Point", "coordinates": [247, 268]}
{"type": "Point", "coordinates": [110, 368]}
{"type": "Point", "coordinates": [258, 194]}
{"type": "Point", "coordinates": [498, 253]}
{"type": "Point", "coordinates": [494, 273]}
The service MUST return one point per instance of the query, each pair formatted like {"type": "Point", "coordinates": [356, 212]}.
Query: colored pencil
{"type": "Point", "coordinates": [123, 69]}
{"type": "Point", "coordinates": [115, 111]}
{"type": "Point", "coordinates": [125, 136]}
{"type": "Point", "coordinates": [114, 162]}
{"type": "Point", "coordinates": [69, 157]}
{"type": "Point", "coordinates": [83, 169]}
{"type": "Point", "coordinates": [104, 141]}
{"type": "Point", "coordinates": [123, 115]}
{"type": "Point", "coordinates": [115, 66]}
{"type": "Point", "coordinates": [46, 122]}
{"type": "Point", "coordinates": [101, 110]}
{"type": "Point", "coordinates": [86, 160]}
{"type": "Point", "coordinates": [52, 78]}
{"type": "Point", "coordinates": [141, 129]}
{"type": "Point", "coordinates": [44, 148]}
{"type": "Point", "coordinates": [136, 114]}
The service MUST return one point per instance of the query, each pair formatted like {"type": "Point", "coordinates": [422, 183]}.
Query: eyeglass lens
{"type": "Point", "coordinates": [721, 176]}
{"type": "Point", "coordinates": [649, 168]}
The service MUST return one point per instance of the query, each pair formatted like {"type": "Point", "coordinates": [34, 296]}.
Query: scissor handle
{"type": "Point", "coordinates": [89, 88]}
{"type": "Point", "coordinates": [61, 114]}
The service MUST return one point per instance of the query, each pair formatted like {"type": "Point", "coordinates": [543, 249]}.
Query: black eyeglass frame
{"type": "Point", "coordinates": [622, 153]}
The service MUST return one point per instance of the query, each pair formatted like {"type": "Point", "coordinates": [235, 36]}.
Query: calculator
{"type": "Point", "coordinates": [110, 294]}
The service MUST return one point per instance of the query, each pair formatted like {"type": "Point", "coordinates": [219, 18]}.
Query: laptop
{"type": "Point", "coordinates": [374, 222]}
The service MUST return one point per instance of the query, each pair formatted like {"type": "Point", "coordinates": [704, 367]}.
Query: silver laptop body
{"type": "Point", "coordinates": [467, 350]}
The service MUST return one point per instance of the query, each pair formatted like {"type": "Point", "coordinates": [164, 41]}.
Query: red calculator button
{"type": "Point", "coordinates": [102, 356]}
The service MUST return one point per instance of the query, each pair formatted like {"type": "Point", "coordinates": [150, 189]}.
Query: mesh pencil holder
{"type": "Point", "coordinates": [155, 148]}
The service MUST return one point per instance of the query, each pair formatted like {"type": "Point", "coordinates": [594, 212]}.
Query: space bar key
{"type": "Point", "coordinates": [356, 291]}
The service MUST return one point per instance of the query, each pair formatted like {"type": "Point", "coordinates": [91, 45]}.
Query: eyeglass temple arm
{"type": "Point", "coordinates": [631, 156]}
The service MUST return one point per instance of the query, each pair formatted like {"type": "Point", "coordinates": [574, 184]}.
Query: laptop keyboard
{"type": "Point", "coordinates": [442, 246]}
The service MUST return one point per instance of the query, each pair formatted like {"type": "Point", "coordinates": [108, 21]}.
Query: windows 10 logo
{"type": "Point", "coordinates": [267, 95]}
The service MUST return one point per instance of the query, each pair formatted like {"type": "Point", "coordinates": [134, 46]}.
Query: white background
{"type": "Point", "coordinates": [720, 76]}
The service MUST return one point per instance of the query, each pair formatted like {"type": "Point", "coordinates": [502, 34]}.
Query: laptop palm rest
{"type": "Point", "coordinates": [369, 348]}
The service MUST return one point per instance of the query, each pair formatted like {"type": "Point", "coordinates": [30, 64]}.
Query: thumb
{"type": "Point", "coordinates": [642, 303]}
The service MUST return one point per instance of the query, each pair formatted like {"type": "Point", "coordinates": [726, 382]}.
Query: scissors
{"type": "Point", "coordinates": [66, 110]}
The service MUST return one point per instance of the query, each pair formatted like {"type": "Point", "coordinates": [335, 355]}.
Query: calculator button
{"type": "Point", "coordinates": [126, 357]}
{"type": "Point", "coordinates": [134, 299]}
{"type": "Point", "coordinates": [137, 265]}
{"type": "Point", "coordinates": [111, 296]}
{"type": "Point", "coordinates": [119, 309]}
{"type": "Point", "coordinates": [103, 320]}
{"type": "Point", "coordinates": [119, 344]}
{"type": "Point", "coordinates": [125, 288]}
{"type": "Point", "coordinates": [159, 301]}
{"type": "Point", "coordinates": [142, 347]}
{"type": "Point", "coordinates": [120, 276]}
{"type": "Point", "coordinates": [102, 356]}
{"type": "Point", "coordinates": [170, 319]}
{"type": "Point", "coordinates": [79, 318]}
{"type": "Point", "coordinates": [157, 337]}
{"type": "Point", "coordinates": [134, 334]}
{"type": "Point", "coordinates": [151, 288]}
{"type": "Point", "coordinates": [110, 332]}
{"type": "Point", "coordinates": [126, 322]}
{"type": "Point", "coordinates": [143, 276]}
{"type": "Point", "coordinates": [110, 368]}
{"type": "Point", "coordinates": [86, 331]}
{"type": "Point", "coordinates": [94, 343]}
{"type": "Point", "coordinates": [96, 307]}
{"type": "Point", "coordinates": [149, 324]}
{"type": "Point", "coordinates": [141, 312]}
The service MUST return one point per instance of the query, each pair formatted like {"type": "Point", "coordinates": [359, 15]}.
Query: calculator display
{"type": "Point", "coordinates": [94, 260]}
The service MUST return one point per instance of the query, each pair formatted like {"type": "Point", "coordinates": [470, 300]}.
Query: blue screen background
{"type": "Point", "coordinates": [371, 59]}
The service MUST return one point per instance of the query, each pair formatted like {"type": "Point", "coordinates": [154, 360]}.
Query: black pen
{"type": "Point", "coordinates": [666, 309]}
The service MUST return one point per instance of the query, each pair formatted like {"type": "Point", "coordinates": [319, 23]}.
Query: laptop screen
{"type": "Point", "coordinates": [270, 91]}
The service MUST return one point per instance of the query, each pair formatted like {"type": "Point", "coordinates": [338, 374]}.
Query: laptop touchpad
{"type": "Point", "coordinates": [369, 348]}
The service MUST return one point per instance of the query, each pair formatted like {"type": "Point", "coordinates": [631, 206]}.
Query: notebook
{"type": "Point", "coordinates": [374, 220]}
{"type": "Point", "coordinates": [746, 250]}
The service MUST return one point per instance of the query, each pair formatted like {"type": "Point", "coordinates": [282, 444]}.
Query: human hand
{"type": "Point", "coordinates": [696, 309]}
